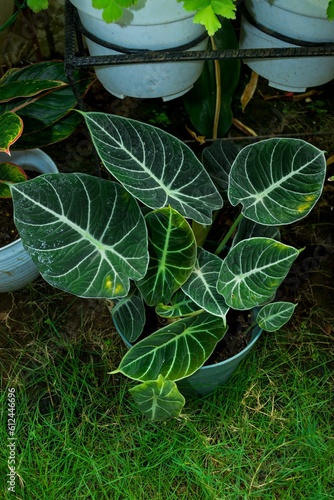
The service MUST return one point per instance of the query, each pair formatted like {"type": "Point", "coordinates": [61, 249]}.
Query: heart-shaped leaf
{"type": "Point", "coordinates": [155, 167]}
{"type": "Point", "coordinates": [272, 317]}
{"type": "Point", "coordinates": [172, 250]}
{"type": "Point", "coordinates": [158, 399]}
{"type": "Point", "coordinates": [91, 252]}
{"type": "Point", "coordinates": [201, 286]}
{"type": "Point", "coordinates": [278, 181]}
{"type": "Point", "coordinates": [253, 270]}
{"type": "Point", "coordinates": [175, 351]}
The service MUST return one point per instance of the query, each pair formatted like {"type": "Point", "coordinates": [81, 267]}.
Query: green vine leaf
{"type": "Point", "coordinates": [38, 5]}
{"type": "Point", "coordinates": [112, 10]}
{"type": "Point", "coordinates": [208, 12]}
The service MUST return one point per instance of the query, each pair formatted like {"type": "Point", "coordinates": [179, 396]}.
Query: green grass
{"type": "Point", "coordinates": [268, 434]}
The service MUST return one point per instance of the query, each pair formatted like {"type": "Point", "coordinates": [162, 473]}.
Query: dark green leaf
{"type": "Point", "coordinates": [155, 167]}
{"type": "Point", "coordinates": [91, 252]}
{"type": "Point", "coordinates": [172, 250]}
{"type": "Point", "coordinates": [278, 181]}
{"type": "Point", "coordinates": [253, 270]}
{"type": "Point", "coordinates": [175, 351]}
{"type": "Point", "coordinates": [158, 399]}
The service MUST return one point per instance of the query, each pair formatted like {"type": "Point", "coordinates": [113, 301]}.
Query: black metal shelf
{"type": "Point", "coordinates": [74, 32]}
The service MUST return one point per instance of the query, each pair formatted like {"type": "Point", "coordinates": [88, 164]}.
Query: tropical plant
{"type": "Point", "coordinates": [36, 103]}
{"type": "Point", "coordinates": [35, 110]}
{"type": "Point", "coordinates": [207, 11]}
{"type": "Point", "coordinates": [140, 240]}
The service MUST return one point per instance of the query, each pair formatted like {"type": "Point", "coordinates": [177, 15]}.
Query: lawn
{"type": "Point", "coordinates": [267, 434]}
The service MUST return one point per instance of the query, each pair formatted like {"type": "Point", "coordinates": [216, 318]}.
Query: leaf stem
{"type": "Point", "coordinates": [228, 235]}
{"type": "Point", "coordinates": [218, 93]}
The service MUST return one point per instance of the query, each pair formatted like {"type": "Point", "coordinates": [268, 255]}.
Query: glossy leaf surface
{"type": "Point", "coordinates": [272, 317]}
{"type": "Point", "coordinates": [278, 181]}
{"type": "Point", "coordinates": [180, 305]}
{"type": "Point", "coordinates": [27, 88]}
{"type": "Point", "coordinates": [172, 250]}
{"type": "Point", "coordinates": [47, 108]}
{"type": "Point", "coordinates": [9, 172]}
{"type": "Point", "coordinates": [158, 399]}
{"type": "Point", "coordinates": [11, 127]}
{"type": "Point", "coordinates": [253, 270]}
{"type": "Point", "coordinates": [91, 252]}
{"type": "Point", "coordinates": [155, 167]}
{"type": "Point", "coordinates": [201, 286]}
{"type": "Point", "coordinates": [129, 314]}
{"type": "Point", "coordinates": [175, 351]}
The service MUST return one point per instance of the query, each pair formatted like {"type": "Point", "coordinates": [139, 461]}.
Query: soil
{"type": "Point", "coordinates": [8, 231]}
{"type": "Point", "coordinates": [269, 113]}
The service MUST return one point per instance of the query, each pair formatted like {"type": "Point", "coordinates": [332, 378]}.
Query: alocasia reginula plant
{"type": "Point", "coordinates": [138, 239]}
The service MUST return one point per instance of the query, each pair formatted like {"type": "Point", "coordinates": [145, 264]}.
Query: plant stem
{"type": "Point", "coordinates": [218, 93]}
{"type": "Point", "coordinates": [229, 233]}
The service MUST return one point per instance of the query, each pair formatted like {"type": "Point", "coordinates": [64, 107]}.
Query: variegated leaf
{"type": "Point", "coordinates": [172, 250]}
{"type": "Point", "coordinates": [272, 317]}
{"type": "Point", "coordinates": [129, 315]}
{"type": "Point", "coordinates": [218, 159]}
{"type": "Point", "coordinates": [201, 286]}
{"type": "Point", "coordinates": [278, 181]}
{"type": "Point", "coordinates": [175, 351]}
{"type": "Point", "coordinates": [253, 270]}
{"type": "Point", "coordinates": [180, 305]}
{"type": "Point", "coordinates": [91, 252]}
{"type": "Point", "coordinates": [11, 127]}
{"type": "Point", "coordinates": [155, 167]}
{"type": "Point", "coordinates": [158, 399]}
{"type": "Point", "coordinates": [250, 229]}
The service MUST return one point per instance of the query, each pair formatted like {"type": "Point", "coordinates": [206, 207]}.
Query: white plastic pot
{"type": "Point", "coordinates": [302, 20]}
{"type": "Point", "coordinates": [16, 267]}
{"type": "Point", "coordinates": [152, 25]}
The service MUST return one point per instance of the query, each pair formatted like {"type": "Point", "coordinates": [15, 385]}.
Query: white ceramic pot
{"type": "Point", "coordinates": [303, 20]}
{"type": "Point", "coordinates": [16, 267]}
{"type": "Point", "coordinates": [153, 25]}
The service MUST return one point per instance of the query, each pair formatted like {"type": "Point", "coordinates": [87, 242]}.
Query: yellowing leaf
{"type": "Point", "coordinates": [249, 90]}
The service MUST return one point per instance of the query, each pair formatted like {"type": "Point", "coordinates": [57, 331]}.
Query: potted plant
{"type": "Point", "coordinates": [148, 25]}
{"type": "Point", "coordinates": [35, 105]}
{"type": "Point", "coordinates": [17, 269]}
{"type": "Point", "coordinates": [142, 240]}
{"type": "Point", "coordinates": [289, 23]}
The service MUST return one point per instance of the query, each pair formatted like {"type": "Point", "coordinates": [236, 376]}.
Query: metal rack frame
{"type": "Point", "coordinates": [74, 32]}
